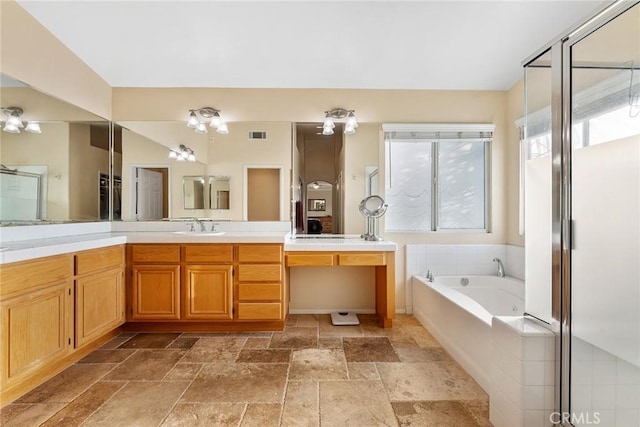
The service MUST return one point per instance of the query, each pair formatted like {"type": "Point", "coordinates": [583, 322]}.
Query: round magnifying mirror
{"type": "Point", "coordinates": [372, 206]}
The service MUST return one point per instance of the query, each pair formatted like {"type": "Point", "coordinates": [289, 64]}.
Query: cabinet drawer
{"type": "Point", "coordinates": [259, 253]}
{"type": "Point", "coordinates": [259, 311]}
{"type": "Point", "coordinates": [260, 273]}
{"type": "Point", "coordinates": [208, 253]}
{"type": "Point", "coordinates": [256, 292]}
{"type": "Point", "coordinates": [99, 259]}
{"type": "Point", "coordinates": [155, 253]}
{"type": "Point", "coordinates": [301, 260]}
{"type": "Point", "coordinates": [361, 259]}
{"type": "Point", "coordinates": [20, 277]}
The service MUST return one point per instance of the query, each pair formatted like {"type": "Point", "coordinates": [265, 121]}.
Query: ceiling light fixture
{"type": "Point", "coordinates": [183, 154]}
{"type": "Point", "coordinates": [315, 185]}
{"type": "Point", "coordinates": [339, 113]}
{"type": "Point", "coordinates": [212, 114]}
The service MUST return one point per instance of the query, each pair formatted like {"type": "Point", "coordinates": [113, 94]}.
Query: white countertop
{"type": "Point", "coordinates": [22, 250]}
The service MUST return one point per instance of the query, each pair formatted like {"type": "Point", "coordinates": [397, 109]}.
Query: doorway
{"type": "Point", "coordinates": [318, 164]}
{"type": "Point", "coordinates": [150, 192]}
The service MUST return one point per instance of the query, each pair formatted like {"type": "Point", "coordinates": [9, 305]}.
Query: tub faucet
{"type": "Point", "coordinates": [429, 276]}
{"type": "Point", "coordinates": [500, 267]}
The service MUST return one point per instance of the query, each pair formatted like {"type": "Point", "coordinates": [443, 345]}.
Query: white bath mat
{"type": "Point", "coordinates": [341, 318]}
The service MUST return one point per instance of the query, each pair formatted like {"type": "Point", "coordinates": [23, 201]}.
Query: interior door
{"type": "Point", "coordinates": [149, 194]}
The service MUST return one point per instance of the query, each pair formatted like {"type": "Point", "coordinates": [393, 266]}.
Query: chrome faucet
{"type": "Point", "coordinates": [429, 276]}
{"type": "Point", "coordinates": [200, 223]}
{"type": "Point", "coordinates": [500, 267]}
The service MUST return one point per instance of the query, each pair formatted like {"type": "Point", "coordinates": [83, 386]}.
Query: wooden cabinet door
{"type": "Point", "coordinates": [208, 292]}
{"type": "Point", "coordinates": [155, 292]}
{"type": "Point", "coordinates": [99, 304]}
{"type": "Point", "coordinates": [36, 331]}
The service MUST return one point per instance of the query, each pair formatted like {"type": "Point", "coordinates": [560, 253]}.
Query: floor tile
{"type": "Point", "coordinates": [318, 364]}
{"type": "Point", "coordinates": [183, 371]}
{"type": "Point", "coordinates": [238, 382]}
{"type": "Point", "coordinates": [68, 384]}
{"type": "Point", "coordinates": [295, 337]}
{"type": "Point", "coordinates": [12, 410]}
{"type": "Point", "coordinates": [107, 356]}
{"type": "Point", "coordinates": [369, 349]}
{"type": "Point", "coordinates": [264, 356]}
{"type": "Point", "coordinates": [355, 403]}
{"type": "Point", "coordinates": [330, 342]}
{"type": "Point", "coordinates": [205, 415]}
{"type": "Point", "coordinates": [34, 415]}
{"type": "Point", "coordinates": [362, 371]}
{"type": "Point", "coordinates": [420, 354]}
{"type": "Point", "coordinates": [437, 413]}
{"type": "Point", "coordinates": [214, 349]}
{"type": "Point", "coordinates": [84, 405]}
{"type": "Point", "coordinates": [262, 415]}
{"type": "Point", "coordinates": [479, 410]}
{"type": "Point", "coordinates": [146, 365]}
{"type": "Point", "coordinates": [150, 341]}
{"type": "Point", "coordinates": [308, 320]}
{"type": "Point", "coordinates": [117, 341]}
{"type": "Point", "coordinates": [428, 381]}
{"type": "Point", "coordinates": [257, 342]}
{"type": "Point", "coordinates": [301, 404]}
{"type": "Point", "coordinates": [138, 404]}
{"type": "Point", "coordinates": [327, 330]}
{"type": "Point", "coordinates": [185, 343]}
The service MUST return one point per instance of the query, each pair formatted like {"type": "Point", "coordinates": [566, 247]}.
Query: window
{"type": "Point", "coordinates": [437, 177]}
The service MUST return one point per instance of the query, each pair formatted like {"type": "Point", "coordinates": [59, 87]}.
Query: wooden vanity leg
{"type": "Point", "coordinates": [386, 291]}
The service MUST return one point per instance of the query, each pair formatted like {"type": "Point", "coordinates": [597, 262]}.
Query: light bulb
{"type": "Point", "coordinates": [328, 122]}
{"type": "Point", "coordinates": [316, 185]}
{"type": "Point", "coordinates": [201, 128]}
{"type": "Point", "coordinates": [33, 127]}
{"type": "Point", "coordinates": [223, 128]}
{"type": "Point", "coordinates": [181, 158]}
{"type": "Point", "coordinates": [15, 121]}
{"type": "Point", "coordinates": [191, 157]}
{"type": "Point", "coordinates": [8, 127]}
{"type": "Point", "coordinates": [351, 120]}
{"type": "Point", "coordinates": [349, 130]}
{"type": "Point", "coordinates": [216, 120]}
{"type": "Point", "coordinates": [327, 130]}
{"type": "Point", "coordinates": [193, 121]}
{"type": "Point", "coordinates": [173, 154]}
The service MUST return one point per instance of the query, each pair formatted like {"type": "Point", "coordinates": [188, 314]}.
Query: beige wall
{"type": "Point", "coordinates": [263, 194]}
{"type": "Point", "coordinates": [86, 162]}
{"type": "Point", "coordinates": [31, 54]}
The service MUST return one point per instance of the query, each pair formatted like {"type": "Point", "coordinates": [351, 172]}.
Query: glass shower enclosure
{"type": "Point", "coordinates": [581, 172]}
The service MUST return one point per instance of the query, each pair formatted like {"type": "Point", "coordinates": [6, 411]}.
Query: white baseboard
{"type": "Point", "coordinates": [329, 311]}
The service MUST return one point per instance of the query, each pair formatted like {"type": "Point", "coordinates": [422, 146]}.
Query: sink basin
{"type": "Point", "coordinates": [202, 233]}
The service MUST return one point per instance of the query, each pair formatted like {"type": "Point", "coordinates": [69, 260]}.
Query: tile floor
{"type": "Point", "coordinates": [312, 374]}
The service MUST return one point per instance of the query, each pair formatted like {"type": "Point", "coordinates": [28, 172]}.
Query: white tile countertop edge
{"type": "Point", "coordinates": [22, 250]}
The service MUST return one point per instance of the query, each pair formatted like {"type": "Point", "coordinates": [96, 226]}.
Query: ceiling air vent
{"type": "Point", "coordinates": [257, 134]}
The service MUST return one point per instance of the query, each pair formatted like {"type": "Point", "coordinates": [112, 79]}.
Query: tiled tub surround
{"type": "Point", "coordinates": [522, 373]}
{"type": "Point", "coordinates": [448, 260]}
{"type": "Point", "coordinates": [312, 374]}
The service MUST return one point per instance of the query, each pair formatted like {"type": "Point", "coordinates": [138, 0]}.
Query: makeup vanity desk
{"type": "Point", "coordinates": [346, 250]}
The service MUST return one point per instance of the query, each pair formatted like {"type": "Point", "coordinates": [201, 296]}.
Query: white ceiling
{"type": "Point", "coordinates": [302, 44]}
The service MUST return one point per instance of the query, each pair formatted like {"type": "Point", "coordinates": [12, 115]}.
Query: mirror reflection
{"type": "Point", "coordinates": [219, 190]}
{"type": "Point", "coordinates": [55, 159]}
{"type": "Point", "coordinates": [193, 192]}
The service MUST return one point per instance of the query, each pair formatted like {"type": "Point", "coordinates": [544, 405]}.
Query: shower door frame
{"type": "Point", "coordinates": [561, 161]}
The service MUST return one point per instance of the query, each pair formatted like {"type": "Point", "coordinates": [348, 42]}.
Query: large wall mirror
{"type": "Point", "coordinates": [55, 168]}
{"type": "Point", "coordinates": [152, 176]}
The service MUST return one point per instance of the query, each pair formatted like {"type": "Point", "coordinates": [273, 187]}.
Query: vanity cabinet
{"type": "Point", "coordinates": [208, 282]}
{"type": "Point", "coordinates": [260, 282]}
{"type": "Point", "coordinates": [99, 292]}
{"type": "Point", "coordinates": [155, 282]}
{"type": "Point", "coordinates": [206, 286]}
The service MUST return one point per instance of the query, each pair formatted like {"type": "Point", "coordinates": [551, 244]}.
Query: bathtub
{"type": "Point", "coordinates": [458, 311]}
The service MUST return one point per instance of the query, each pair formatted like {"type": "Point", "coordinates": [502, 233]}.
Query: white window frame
{"type": "Point", "coordinates": [445, 131]}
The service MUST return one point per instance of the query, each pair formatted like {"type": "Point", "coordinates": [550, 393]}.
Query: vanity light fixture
{"type": "Point", "coordinates": [184, 154]}
{"type": "Point", "coordinates": [213, 114]}
{"type": "Point", "coordinates": [13, 124]}
{"type": "Point", "coordinates": [339, 113]}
